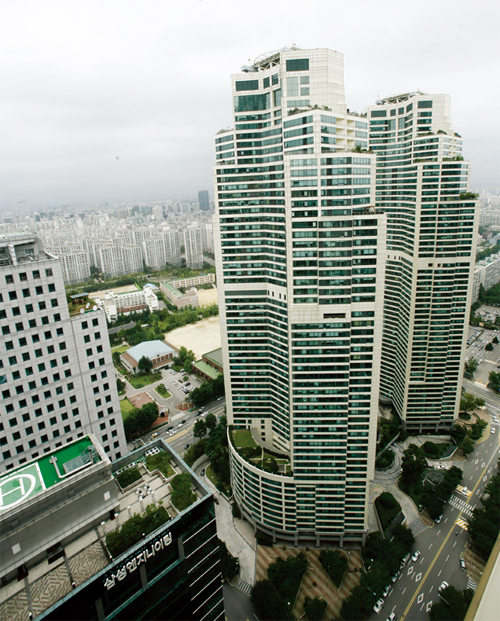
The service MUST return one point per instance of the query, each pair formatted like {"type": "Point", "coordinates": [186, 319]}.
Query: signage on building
{"type": "Point", "coordinates": [133, 562]}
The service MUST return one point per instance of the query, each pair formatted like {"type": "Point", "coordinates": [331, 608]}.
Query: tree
{"type": "Point", "coordinates": [466, 446]}
{"type": "Point", "coordinates": [314, 608]}
{"type": "Point", "coordinates": [268, 602]}
{"type": "Point", "coordinates": [120, 385]}
{"type": "Point", "coordinates": [468, 402]}
{"type": "Point", "coordinates": [413, 465]}
{"type": "Point", "coordinates": [200, 429]}
{"type": "Point", "coordinates": [471, 366]}
{"type": "Point", "coordinates": [210, 420]}
{"type": "Point", "coordinates": [489, 347]}
{"type": "Point", "coordinates": [404, 536]}
{"type": "Point", "coordinates": [495, 338]}
{"type": "Point", "coordinates": [494, 381]}
{"type": "Point", "coordinates": [453, 604]}
{"type": "Point", "coordinates": [145, 365]}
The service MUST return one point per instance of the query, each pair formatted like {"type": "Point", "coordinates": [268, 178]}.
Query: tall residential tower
{"type": "Point", "coordinates": [344, 249]}
{"type": "Point", "coordinates": [300, 255]}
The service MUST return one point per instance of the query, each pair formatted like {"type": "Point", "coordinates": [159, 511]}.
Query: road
{"type": "Point", "coordinates": [443, 545]}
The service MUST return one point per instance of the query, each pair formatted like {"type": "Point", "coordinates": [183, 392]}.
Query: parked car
{"type": "Point", "coordinates": [439, 518]}
{"type": "Point", "coordinates": [443, 586]}
{"type": "Point", "coordinates": [378, 606]}
{"type": "Point", "coordinates": [404, 561]}
{"type": "Point", "coordinates": [415, 556]}
{"type": "Point", "coordinates": [186, 446]}
{"type": "Point", "coordinates": [386, 590]}
{"type": "Point", "coordinates": [391, 617]}
{"type": "Point", "coordinates": [202, 473]}
{"type": "Point", "coordinates": [463, 567]}
{"type": "Point", "coordinates": [396, 576]}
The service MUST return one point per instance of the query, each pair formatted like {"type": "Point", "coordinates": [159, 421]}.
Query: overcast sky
{"type": "Point", "coordinates": [116, 100]}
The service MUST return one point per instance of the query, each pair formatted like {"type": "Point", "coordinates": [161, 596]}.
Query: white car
{"type": "Point", "coordinates": [391, 617]}
{"type": "Point", "coordinates": [443, 586]}
{"type": "Point", "coordinates": [492, 430]}
{"type": "Point", "coordinates": [386, 590]}
{"type": "Point", "coordinates": [415, 556]}
{"type": "Point", "coordinates": [378, 606]}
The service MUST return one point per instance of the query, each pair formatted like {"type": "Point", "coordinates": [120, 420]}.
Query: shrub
{"type": "Point", "coordinates": [334, 564]}
{"type": "Point", "coordinates": [160, 461]}
{"type": "Point", "coordinates": [268, 602]}
{"type": "Point", "coordinates": [195, 451]}
{"type": "Point", "coordinates": [182, 496]}
{"type": "Point", "coordinates": [314, 608]}
{"type": "Point", "coordinates": [129, 476]}
{"type": "Point", "coordinates": [385, 460]}
{"type": "Point", "coordinates": [388, 508]}
{"type": "Point", "coordinates": [263, 539]}
{"type": "Point", "coordinates": [132, 530]}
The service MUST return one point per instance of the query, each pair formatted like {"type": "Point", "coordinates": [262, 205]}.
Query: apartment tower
{"type": "Point", "coordinates": [57, 378]}
{"type": "Point", "coordinates": [423, 187]}
{"type": "Point", "coordinates": [300, 256]}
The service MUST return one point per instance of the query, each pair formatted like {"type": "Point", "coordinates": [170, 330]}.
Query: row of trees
{"type": "Point", "coordinates": [383, 558]}
{"type": "Point", "coordinates": [184, 360]}
{"type": "Point", "coordinates": [208, 391]}
{"type": "Point", "coordinates": [484, 526]}
{"type": "Point", "coordinates": [213, 443]}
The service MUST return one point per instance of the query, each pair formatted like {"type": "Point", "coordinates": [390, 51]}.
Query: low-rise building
{"type": "Point", "coordinates": [127, 302]}
{"type": "Point", "coordinates": [59, 515]}
{"type": "Point", "coordinates": [179, 299]}
{"type": "Point", "coordinates": [158, 352]}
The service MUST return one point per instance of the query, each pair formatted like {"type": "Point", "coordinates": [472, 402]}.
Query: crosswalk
{"type": "Point", "coordinates": [471, 584]}
{"type": "Point", "coordinates": [417, 526]}
{"type": "Point", "coordinates": [462, 523]}
{"type": "Point", "coordinates": [461, 505]}
{"type": "Point", "coordinates": [244, 586]}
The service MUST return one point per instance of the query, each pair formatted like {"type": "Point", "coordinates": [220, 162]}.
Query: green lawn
{"type": "Point", "coordinates": [126, 407]}
{"type": "Point", "coordinates": [139, 381]}
{"type": "Point", "coordinates": [162, 391]}
{"type": "Point", "coordinates": [243, 438]}
{"type": "Point", "coordinates": [120, 349]}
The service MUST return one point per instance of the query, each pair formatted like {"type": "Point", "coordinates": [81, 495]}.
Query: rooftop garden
{"type": "Point", "coordinates": [132, 531]}
{"type": "Point", "coordinates": [259, 456]}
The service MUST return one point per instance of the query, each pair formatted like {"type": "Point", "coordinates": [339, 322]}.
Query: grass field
{"type": "Point", "coordinates": [120, 349]}
{"type": "Point", "coordinates": [126, 407]}
{"type": "Point", "coordinates": [243, 438]}
{"type": "Point", "coordinates": [139, 381]}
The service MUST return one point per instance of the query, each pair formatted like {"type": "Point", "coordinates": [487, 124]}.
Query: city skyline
{"type": "Point", "coordinates": [103, 103]}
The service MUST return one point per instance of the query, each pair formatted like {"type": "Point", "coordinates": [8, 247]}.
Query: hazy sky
{"type": "Point", "coordinates": [119, 100]}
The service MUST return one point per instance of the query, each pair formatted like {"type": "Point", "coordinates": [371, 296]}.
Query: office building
{"type": "Point", "coordinates": [300, 258]}
{"type": "Point", "coordinates": [203, 200]}
{"type": "Point", "coordinates": [59, 514]}
{"type": "Point", "coordinates": [423, 186]}
{"type": "Point", "coordinates": [56, 371]}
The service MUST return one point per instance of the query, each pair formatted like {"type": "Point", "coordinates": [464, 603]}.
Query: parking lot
{"type": "Point", "coordinates": [488, 360]}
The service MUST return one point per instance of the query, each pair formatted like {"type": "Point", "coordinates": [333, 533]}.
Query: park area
{"type": "Point", "coordinates": [200, 337]}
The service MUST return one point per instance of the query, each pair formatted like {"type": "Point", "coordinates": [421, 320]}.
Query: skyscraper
{"type": "Point", "coordinates": [300, 256]}
{"type": "Point", "coordinates": [303, 266]}
{"type": "Point", "coordinates": [203, 200]}
{"type": "Point", "coordinates": [423, 186]}
{"type": "Point", "coordinates": [56, 373]}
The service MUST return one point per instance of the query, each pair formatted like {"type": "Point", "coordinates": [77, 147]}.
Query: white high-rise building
{"type": "Point", "coordinates": [56, 372]}
{"type": "Point", "coordinates": [193, 247]}
{"type": "Point", "coordinates": [300, 257]}
{"type": "Point", "coordinates": [423, 186]}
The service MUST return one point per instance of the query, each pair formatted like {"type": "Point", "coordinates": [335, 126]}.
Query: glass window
{"type": "Point", "coordinates": [425, 104]}
{"type": "Point", "coordinates": [304, 91]}
{"type": "Point", "coordinates": [9, 279]}
{"type": "Point", "coordinates": [247, 85]}
{"type": "Point", "coordinates": [48, 272]}
{"type": "Point", "coordinates": [23, 276]}
{"type": "Point", "coordinates": [275, 79]}
{"type": "Point", "coordinates": [36, 274]}
{"type": "Point", "coordinates": [246, 103]}
{"type": "Point", "coordinates": [379, 113]}
{"type": "Point", "coordinates": [266, 82]}
{"type": "Point", "coordinates": [297, 64]}
{"type": "Point", "coordinates": [292, 87]}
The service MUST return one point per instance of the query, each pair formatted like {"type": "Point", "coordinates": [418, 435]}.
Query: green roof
{"type": "Point", "coordinates": [30, 479]}
{"type": "Point", "coordinates": [215, 355]}
{"type": "Point", "coordinates": [207, 369]}
{"type": "Point", "coordinates": [172, 289]}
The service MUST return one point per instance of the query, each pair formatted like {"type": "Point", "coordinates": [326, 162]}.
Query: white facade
{"type": "Point", "coordinates": [423, 183]}
{"type": "Point", "coordinates": [487, 273]}
{"type": "Point", "coordinates": [193, 247]}
{"type": "Point", "coordinates": [57, 377]}
{"type": "Point", "coordinates": [300, 259]}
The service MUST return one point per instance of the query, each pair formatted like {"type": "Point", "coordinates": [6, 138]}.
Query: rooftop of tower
{"type": "Point", "coordinates": [267, 60]}
{"type": "Point", "coordinates": [392, 99]}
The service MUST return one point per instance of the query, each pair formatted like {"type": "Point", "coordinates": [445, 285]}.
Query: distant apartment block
{"type": "Point", "coordinates": [56, 371]}
{"type": "Point", "coordinates": [202, 279]}
{"type": "Point", "coordinates": [193, 247]}
{"type": "Point", "coordinates": [487, 273]}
